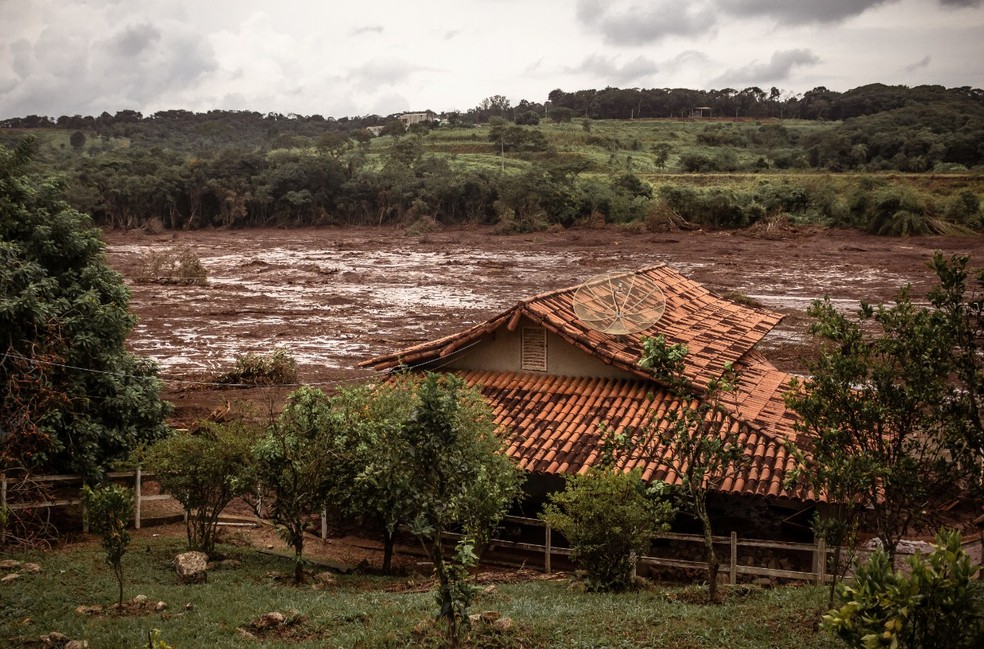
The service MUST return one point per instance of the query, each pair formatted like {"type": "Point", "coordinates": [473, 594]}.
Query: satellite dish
{"type": "Point", "coordinates": [619, 303]}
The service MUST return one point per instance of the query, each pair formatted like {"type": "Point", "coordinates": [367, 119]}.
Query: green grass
{"type": "Point", "coordinates": [359, 611]}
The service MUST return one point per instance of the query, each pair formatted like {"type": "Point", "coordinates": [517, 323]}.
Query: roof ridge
{"type": "Point", "coordinates": [558, 291]}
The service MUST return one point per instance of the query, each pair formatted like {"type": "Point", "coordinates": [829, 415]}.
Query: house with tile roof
{"type": "Point", "coordinates": [555, 383]}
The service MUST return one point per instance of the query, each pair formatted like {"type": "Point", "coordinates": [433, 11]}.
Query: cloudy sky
{"type": "Point", "coordinates": [67, 57]}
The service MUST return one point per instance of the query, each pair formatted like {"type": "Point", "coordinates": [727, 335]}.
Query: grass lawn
{"type": "Point", "coordinates": [368, 611]}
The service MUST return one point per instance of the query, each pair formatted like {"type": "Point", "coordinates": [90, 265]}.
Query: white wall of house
{"type": "Point", "coordinates": [502, 351]}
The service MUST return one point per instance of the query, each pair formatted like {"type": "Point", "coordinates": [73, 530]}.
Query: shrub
{"type": "Point", "coordinates": [938, 604]}
{"type": "Point", "coordinates": [205, 471]}
{"type": "Point", "coordinates": [172, 266]}
{"type": "Point", "coordinates": [607, 517]}
{"type": "Point", "coordinates": [276, 368]}
{"type": "Point", "coordinates": [109, 509]}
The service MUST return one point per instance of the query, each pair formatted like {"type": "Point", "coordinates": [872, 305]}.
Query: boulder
{"type": "Point", "coordinates": [33, 568]}
{"type": "Point", "coordinates": [191, 567]}
{"type": "Point", "coordinates": [77, 644]}
{"type": "Point", "coordinates": [10, 564]}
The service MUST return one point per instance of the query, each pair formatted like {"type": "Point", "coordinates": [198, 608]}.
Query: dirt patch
{"type": "Point", "coordinates": [333, 297]}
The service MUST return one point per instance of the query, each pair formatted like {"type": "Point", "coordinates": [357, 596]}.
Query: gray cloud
{"type": "Point", "coordinates": [134, 39]}
{"type": "Point", "coordinates": [646, 23]}
{"type": "Point", "coordinates": [962, 3]}
{"type": "Point", "coordinates": [369, 29]}
{"type": "Point", "coordinates": [921, 63]}
{"type": "Point", "coordinates": [778, 68]}
{"type": "Point", "coordinates": [610, 71]}
{"type": "Point", "coordinates": [799, 12]}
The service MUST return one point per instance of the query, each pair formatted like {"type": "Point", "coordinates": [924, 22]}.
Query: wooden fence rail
{"type": "Point", "coordinates": [137, 477]}
{"type": "Point", "coordinates": [731, 567]}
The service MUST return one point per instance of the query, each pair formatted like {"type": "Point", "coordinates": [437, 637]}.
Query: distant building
{"type": "Point", "coordinates": [409, 119]}
{"type": "Point", "coordinates": [700, 111]}
{"type": "Point", "coordinates": [375, 130]}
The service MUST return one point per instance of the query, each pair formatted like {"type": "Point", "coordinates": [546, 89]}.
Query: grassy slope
{"type": "Point", "coordinates": [359, 612]}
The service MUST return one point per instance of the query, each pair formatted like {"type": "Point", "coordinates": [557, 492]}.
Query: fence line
{"type": "Point", "coordinates": [732, 568]}
{"type": "Point", "coordinates": [137, 476]}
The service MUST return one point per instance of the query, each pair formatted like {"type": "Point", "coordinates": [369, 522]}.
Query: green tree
{"type": "Point", "coordinates": [959, 299]}
{"type": "Point", "coordinates": [373, 477]}
{"type": "Point", "coordinates": [661, 154]}
{"type": "Point", "coordinates": [204, 471]}
{"type": "Point", "coordinates": [109, 509]}
{"type": "Point", "coordinates": [872, 408]}
{"type": "Point", "coordinates": [296, 467]}
{"type": "Point", "coordinates": [73, 399]}
{"type": "Point", "coordinates": [698, 437]}
{"type": "Point", "coordinates": [77, 140]}
{"type": "Point", "coordinates": [609, 519]}
{"type": "Point", "coordinates": [452, 437]}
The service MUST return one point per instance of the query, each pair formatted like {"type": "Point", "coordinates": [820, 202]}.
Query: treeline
{"type": "Point", "coordinates": [130, 187]}
{"type": "Point", "coordinates": [820, 103]}
{"type": "Point", "coordinates": [182, 170]}
{"type": "Point", "coordinates": [817, 104]}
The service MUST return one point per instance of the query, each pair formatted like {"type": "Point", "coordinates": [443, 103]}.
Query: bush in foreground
{"type": "Point", "coordinates": [608, 518]}
{"type": "Point", "coordinates": [936, 605]}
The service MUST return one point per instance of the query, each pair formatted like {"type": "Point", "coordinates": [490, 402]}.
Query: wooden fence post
{"type": "Point", "coordinates": [324, 523]}
{"type": "Point", "coordinates": [820, 561]}
{"type": "Point", "coordinates": [733, 577]}
{"type": "Point", "coordinates": [547, 550]}
{"type": "Point", "coordinates": [136, 498]}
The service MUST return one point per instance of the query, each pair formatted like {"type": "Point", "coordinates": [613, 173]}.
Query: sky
{"type": "Point", "coordinates": [336, 59]}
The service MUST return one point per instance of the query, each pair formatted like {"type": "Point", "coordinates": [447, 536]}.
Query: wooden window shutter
{"type": "Point", "coordinates": [534, 350]}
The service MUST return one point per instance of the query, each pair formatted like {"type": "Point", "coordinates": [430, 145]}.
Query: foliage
{"type": "Point", "coordinates": [937, 603]}
{"type": "Point", "coordinates": [109, 509]}
{"type": "Point", "coordinates": [296, 467]}
{"type": "Point", "coordinates": [373, 477]}
{"type": "Point", "coordinates": [609, 519]}
{"type": "Point", "coordinates": [172, 266]}
{"type": "Point", "coordinates": [204, 471]}
{"type": "Point", "coordinates": [697, 434]}
{"type": "Point", "coordinates": [959, 299]}
{"type": "Point", "coordinates": [275, 368]}
{"type": "Point", "coordinates": [873, 391]}
{"type": "Point", "coordinates": [244, 169]}
{"type": "Point", "coordinates": [452, 440]}
{"type": "Point", "coordinates": [72, 399]}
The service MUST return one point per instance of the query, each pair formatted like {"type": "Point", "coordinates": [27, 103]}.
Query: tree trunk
{"type": "Point", "coordinates": [389, 540]}
{"type": "Point", "coordinates": [713, 565]}
{"type": "Point", "coordinates": [298, 544]}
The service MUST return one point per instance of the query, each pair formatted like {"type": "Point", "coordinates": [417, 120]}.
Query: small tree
{"type": "Point", "coordinates": [872, 409]}
{"type": "Point", "coordinates": [452, 437]}
{"type": "Point", "coordinates": [294, 464]}
{"type": "Point", "coordinates": [205, 471]}
{"type": "Point", "coordinates": [109, 509]}
{"type": "Point", "coordinates": [959, 299]}
{"type": "Point", "coordinates": [699, 434]}
{"type": "Point", "coordinates": [609, 519]}
{"type": "Point", "coordinates": [373, 477]}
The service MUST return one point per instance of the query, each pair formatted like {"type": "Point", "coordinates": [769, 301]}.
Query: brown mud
{"type": "Point", "coordinates": [333, 297]}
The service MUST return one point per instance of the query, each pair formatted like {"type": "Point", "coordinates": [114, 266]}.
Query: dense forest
{"type": "Point", "coordinates": [721, 158]}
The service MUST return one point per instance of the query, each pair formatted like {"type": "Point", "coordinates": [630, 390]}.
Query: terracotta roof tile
{"type": "Point", "coordinates": [715, 330]}
{"type": "Point", "coordinates": [552, 440]}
